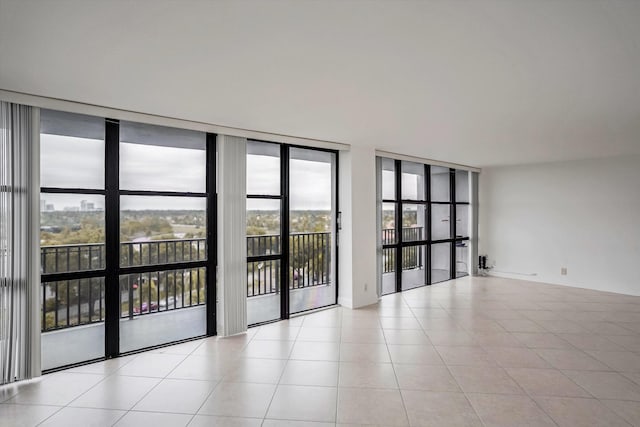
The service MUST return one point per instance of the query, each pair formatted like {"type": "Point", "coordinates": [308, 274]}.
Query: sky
{"type": "Point", "coordinates": [409, 185]}
{"type": "Point", "coordinates": [79, 163]}
{"type": "Point", "coordinates": [310, 182]}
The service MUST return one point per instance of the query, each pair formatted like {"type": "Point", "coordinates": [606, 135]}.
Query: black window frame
{"type": "Point", "coordinates": [113, 270]}
{"type": "Point", "coordinates": [400, 244]}
{"type": "Point", "coordinates": [283, 256]}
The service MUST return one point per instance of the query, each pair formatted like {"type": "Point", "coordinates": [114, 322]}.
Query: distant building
{"type": "Point", "coordinates": [44, 207]}
{"type": "Point", "coordinates": [87, 206]}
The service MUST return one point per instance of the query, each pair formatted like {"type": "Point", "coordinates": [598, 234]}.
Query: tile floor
{"type": "Point", "coordinates": [475, 351]}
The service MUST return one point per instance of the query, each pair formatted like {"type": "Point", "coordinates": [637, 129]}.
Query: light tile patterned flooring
{"type": "Point", "coordinates": [476, 351]}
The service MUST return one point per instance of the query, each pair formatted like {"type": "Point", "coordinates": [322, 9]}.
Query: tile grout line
{"type": "Point", "coordinates": [446, 365]}
{"type": "Point", "coordinates": [266, 412]}
{"type": "Point", "coordinates": [218, 382]}
{"type": "Point", "coordinates": [338, 376]}
{"type": "Point", "coordinates": [161, 379]}
{"type": "Point", "coordinates": [83, 393]}
{"type": "Point", "coordinates": [462, 311]}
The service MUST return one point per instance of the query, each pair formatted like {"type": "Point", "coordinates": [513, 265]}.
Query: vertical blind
{"type": "Point", "coordinates": [19, 243]}
{"type": "Point", "coordinates": [232, 231]}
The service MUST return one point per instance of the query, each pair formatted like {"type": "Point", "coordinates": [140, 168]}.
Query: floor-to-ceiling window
{"type": "Point", "coordinates": [291, 230]}
{"type": "Point", "coordinates": [127, 252]}
{"type": "Point", "coordinates": [414, 233]}
{"type": "Point", "coordinates": [441, 223]}
{"type": "Point", "coordinates": [264, 232]}
{"type": "Point", "coordinates": [72, 237]}
{"type": "Point", "coordinates": [463, 223]}
{"type": "Point", "coordinates": [163, 235]}
{"type": "Point", "coordinates": [425, 224]}
{"type": "Point", "coordinates": [390, 206]}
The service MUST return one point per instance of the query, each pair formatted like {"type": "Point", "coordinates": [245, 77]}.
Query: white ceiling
{"type": "Point", "coordinates": [480, 83]}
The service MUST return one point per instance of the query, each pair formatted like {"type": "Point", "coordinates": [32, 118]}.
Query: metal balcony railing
{"type": "Point", "coordinates": [76, 302]}
{"type": "Point", "coordinates": [412, 256]}
{"type": "Point", "coordinates": [409, 234]}
{"type": "Point", "coordinates": [66, 258]}
{"type": "Point", "coordinates": [162, 252]}
{"type": "Point", "coordinates": [310, 262]}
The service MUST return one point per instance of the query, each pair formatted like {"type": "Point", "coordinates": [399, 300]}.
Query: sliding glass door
{"type": "Point", "coordinates": [291, 235]}
{"type": "Point", "coordinates": [312, 213]}
{"type": "Point", "coordinates": [264, 232]}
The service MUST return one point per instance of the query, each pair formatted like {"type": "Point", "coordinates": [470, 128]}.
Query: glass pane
{"type": "Point", "coordinates": [161, 307]}
{"type": "Point", "coordinates": [440, 222]}
{"type": "Point", "coordinates": [440, 190]}
{"type": "Point", "coordinates": [414, 267]}
{"type": "Point", "coordinates": [462, 220]}
{"type": "Point", "coordinates": [72, 303]}
{"type": "Point", "coordinates": [71, 150]}
{"type": "Point", "coordinates": [310, 257]}
{"type": "Point", "coordinates": [263, 245]}
{"type": "Point", "coordinates": [413, 222]}
{"type": "Point", "coordinates": [158, 230]}
{"type": "Point", "coordinates": [440, 262]}
{"type": "Point", "coordinates": [71, 232]}
{"type": "Point", "coordinates": [413, 181]}
{"type": "Point", "coordinates": [388, 179]}
{"type": "Point", "coordinates": [462, 258]}
{"type": "Point", "coordinates": [462, 186]}
{"type": "Point", "coordinates": [263, 227]}
{"type": "Point", "coordinates": [161, 158]}
{"type": "Point", "coordinates": [263, 291]}
{"type": "Point", "coordinates": [66, 304]}
{"type": "Point", "coordinates": [263, 169]}
{"type": "Point", "coordinates": [312, 219]}
{"type": "Point", "coordinates": [388, 223]}
{"type": "Point", "coordinates": [388, 271]}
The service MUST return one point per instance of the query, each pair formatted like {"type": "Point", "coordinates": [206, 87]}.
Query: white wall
{"type": "Point", "coordinates": [582, 215]}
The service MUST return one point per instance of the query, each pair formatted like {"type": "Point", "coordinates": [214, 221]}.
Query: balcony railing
{"type": "Point", "coordinates": [90, 256]}
{"type": "Point", "coordinates": [310, 262]}
{"type": "Point", "coordinates": [412, 256]}
{"type": "Point", "coordinates": [158, 291]}
{"type": "Point", "coordinates": [76, 302]}
{"type": "Point", "coordinates": [81, 301]}
{"type": "Point", "coordinates": [68, 303]}
{"type": "Point", "coordinates": [65, 258]}
{"type": "Point", "coordinates": [162, 252]}
{"type": "Point", "coordinates": [409, 234]}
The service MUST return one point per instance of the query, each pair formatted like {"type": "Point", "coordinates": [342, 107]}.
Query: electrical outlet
{"type": "Point", "coordinates": [563, 271]}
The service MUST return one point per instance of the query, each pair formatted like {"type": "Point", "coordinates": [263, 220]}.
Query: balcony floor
{"type": "Point", "coordinates": [474, 351]}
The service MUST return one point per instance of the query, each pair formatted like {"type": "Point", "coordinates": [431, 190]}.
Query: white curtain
{"type": "Point", "coordinates": [475, 182]}
{"type": "Point", "coordinates": [379, 250]}
{"type": "Point", "coordinates": [19, 243]}
{"type": "Point", "coordinates": [232, 235]}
